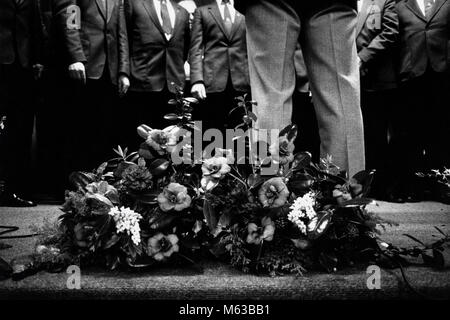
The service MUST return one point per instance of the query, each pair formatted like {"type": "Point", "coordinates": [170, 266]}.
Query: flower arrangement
{"type": "Point", "coordinates": [144, 208]}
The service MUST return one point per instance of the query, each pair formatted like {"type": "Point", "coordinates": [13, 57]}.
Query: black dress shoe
{"type": "Point", "coordinates": [14, 201]}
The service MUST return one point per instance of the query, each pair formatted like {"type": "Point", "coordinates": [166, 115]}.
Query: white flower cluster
{"type": "Point", "coordinates": [303, 209]}
{"type": "Point", "coordinates": [127, 221]}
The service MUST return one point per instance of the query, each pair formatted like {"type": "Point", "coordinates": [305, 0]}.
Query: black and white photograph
{"type": "Point", "coordinates": [224, 158]}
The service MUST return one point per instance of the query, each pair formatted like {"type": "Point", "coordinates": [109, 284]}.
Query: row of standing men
{"type": "Point", "coordinates": [111, 71]}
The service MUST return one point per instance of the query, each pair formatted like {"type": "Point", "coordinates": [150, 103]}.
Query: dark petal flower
{"type": "Point", "coordinates": [174, 197]}
{"type": "Point", "coordinates": [161, 247]}
{"type": "Point", "coordinates": [273, 193]}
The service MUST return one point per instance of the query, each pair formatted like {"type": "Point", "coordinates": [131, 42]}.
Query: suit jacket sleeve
{"type": "Point", "coordinates": [196, 48]}
{"type": "Point", "coordinates": [187, 38]}
{"type": "Point", "coordinates": [71, 40]}
{"type": "Point", "coordinates": [124, 61]}
{"type": "Point", "coordinates": [386, 39]}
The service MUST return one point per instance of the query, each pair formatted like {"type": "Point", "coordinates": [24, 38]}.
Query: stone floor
{"type": "Point", "coordinates": [218, 281]}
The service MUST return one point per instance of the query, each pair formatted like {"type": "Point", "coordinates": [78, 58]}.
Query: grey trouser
{"type": "Point", "coordinates": [327, 38]}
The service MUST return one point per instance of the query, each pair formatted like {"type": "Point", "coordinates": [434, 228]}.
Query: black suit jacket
{"type": "Point", "coordinates": [311, 5]}
{"type": "Point", "coordinates": [20, 33]}
{"type": "Point", "coordinates": [377, 32]}
{"type": "Point", "coordinates": [423, 42]}
{"type": "Point", "coordinates": [214, 55]}
{"type": "Point", "coordinates": [156, 62]}
{"type": "Point", "coordinates": [101, 42]}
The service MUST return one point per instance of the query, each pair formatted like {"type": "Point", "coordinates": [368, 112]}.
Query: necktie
{"type": "Point", "coordinates": [227, 17]}
{"type": "Point", "coordinates": [428, 6]}
{"type": "Point", "coordinates": [166, 24]}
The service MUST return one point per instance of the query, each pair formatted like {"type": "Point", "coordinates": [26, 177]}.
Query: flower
{"type": "Point", "coordinates": [162, 141]}
{"type": "Point", "coordinates": [341, 194]}
{"type": "Point", "coordinates": [213, 170]}
{"type": "Point", "coordinates": [282, 151]}
{"type": "Point", "coordinates": [216, 167]}
{"type": "Point", "coordinates": [258, 234]}
{"type": "Point", "coordinates": [127, 221]}
{"type": "Point", "coordinates": [174, 196]}
{"type": "Point", "coordinates": [226, 153]}
{"type": "Point", "coordinates": [273, 193]}
{"type": "Point", "coordinates": [137, 178]}
{"type": "Point", "coordinates": [302, 211]}
{"type": "Point", "coordinates": [161, 247]}
{"type": "Point", "coordinates": [84, 234]}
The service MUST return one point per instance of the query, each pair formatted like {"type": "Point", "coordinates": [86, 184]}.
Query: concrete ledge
{"type": "Point", "coordinates": [222, 282]}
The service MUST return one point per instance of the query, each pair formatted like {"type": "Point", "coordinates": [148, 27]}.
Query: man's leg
{"type": "Point", "coordinates": [328, 43]}
{"type": "Point", "coordinates": [273, 29]}
{"type": "Point", "coordinates": [19, 130]}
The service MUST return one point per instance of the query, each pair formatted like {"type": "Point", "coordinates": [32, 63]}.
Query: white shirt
{"type": "Point", "coordinates": [230, 7]}
{"type": "Point", "coordinates": [360, 3]}
{"type": "Point", "coordinates": [421, 5]}
{"type": "Point", "coordinates": [157, 4]}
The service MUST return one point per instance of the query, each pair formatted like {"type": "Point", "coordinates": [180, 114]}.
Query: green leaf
{"type": "Point", "coordinates": [159, 166]}
{"type": "Point", "coordinates": [145, 152]}
{"type": "Point", "coordinates": [148, 198]}
{"type": "Point", "coordinates": [171, 116]}
{"type": "Point", "coordinates": [81, 179]}
{"type": "Point", "coordinates": [210, 215]}
{"type": "Point", "coordinates": [321, 225]}
{"type": "Point", "coordinates": [252, 116]}
{"type": "Point", "coordinates": [190, 100]}
{"type": "Point", "coordinates": [364, 178]}
{"type": "Point", "coordinates": [97, 200]}
{"type": "Point", "coordinates": [301, 160]}
{"type": "Point", "coordinates": [357, 202]}
{"type": "Point", "coordinates": [101, 169]}
{"type": "Point", "coordinates": [254, 180]}
{"type": "Point", "coordinates": [162, 220]}
{"type": "Point", "coordinates": [111, 242]}
{"type": "Point", "coordinates": [289, 131]}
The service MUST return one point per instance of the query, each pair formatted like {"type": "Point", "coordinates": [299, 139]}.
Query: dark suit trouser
{"type": "Point", "coordinates": [51, 131]}
{"type": "Point", "coordinates": [17, 101]}
{"type": "Point", "coordinates": [143, 108]}
{"type": "Point", "coordinates": [378, 108]}
{"type": "Point", "coordinates": [214, 111]}
{"type": "Point", "coordinates": [327, 35]}
{"type": "Point", "coordinates": [91, 130]}
{"type": "Point", "coordinates": [424, 129]}
{"type": "Point", "coordinates": [304, 116]}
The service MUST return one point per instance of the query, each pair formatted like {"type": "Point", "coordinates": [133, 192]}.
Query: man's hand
{"type": "Point", "coordinates": [362, 67]}
{"type": "Point", "coordinates": [360, 62]}
{"type": "Point", "coordinates": [37, 71]}
{"type": "Point", "coordinates": [77, 72]}
{"type": "Point", "coordinates": [124, 84]}
{"type": "Point", "coordinates": [198, 91]}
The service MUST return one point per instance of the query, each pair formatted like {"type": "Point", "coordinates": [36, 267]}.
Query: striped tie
{"type": "Point", "coordinates": [227, 17]}
{"type": "Point", "coordinates": [428, 7]}
{"type": "Point", "coordinates": [167, 25]}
